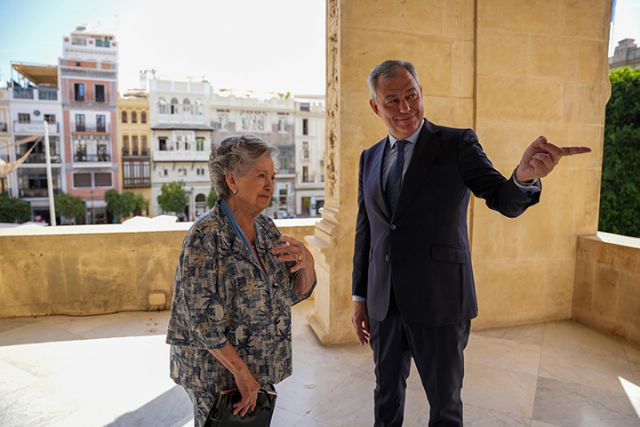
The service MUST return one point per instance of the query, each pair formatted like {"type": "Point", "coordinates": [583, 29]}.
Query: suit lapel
{"type": "Point", "coordinates": [375, 182]}
{"type": "Point", "coordinates": [422, 159]}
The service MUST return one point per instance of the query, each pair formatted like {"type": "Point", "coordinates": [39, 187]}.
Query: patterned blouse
{"type": "Point", "coordinates": [223, 295]}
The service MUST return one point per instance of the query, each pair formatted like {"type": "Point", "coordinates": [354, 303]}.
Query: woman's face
{"type": "Point", "coordinates": [255, 187]}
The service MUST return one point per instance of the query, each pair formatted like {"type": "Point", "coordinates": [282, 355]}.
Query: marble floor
{"type": "Point", "coordinates": [112, 370]}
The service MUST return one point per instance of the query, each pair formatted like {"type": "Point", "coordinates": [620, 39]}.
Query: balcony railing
{"type": "Point", "coordinates": [92, 129]}
{"type": "Point", "coordinates": [47, 95]}
{"type": "Point", "coordinates": [140, 153]}
{"type": "Point", "coordinates": [180, 156]}
{"type": "Point", "coordinates": [34, 127]}
{"type": "Point", "coordinates": [39, 157]}
{"type": "Point", "coordinates": [95, 158]}
{"type": "Point", "coordinates": [23, 93]}
{"type": "Point", "coordinates": [36, 192]}
{"type": "Point", "coordinates": [139, 182]}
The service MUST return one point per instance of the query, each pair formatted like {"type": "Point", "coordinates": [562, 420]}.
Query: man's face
{"type": "Point", "coordinates": [399, 104]}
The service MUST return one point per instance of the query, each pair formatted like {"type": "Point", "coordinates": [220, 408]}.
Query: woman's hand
{"type": "Point", "coordinates": [293, 250]}
{"type": "Point", "coordinates": [249, 389]}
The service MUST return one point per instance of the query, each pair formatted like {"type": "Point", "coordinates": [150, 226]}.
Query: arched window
{"type": "Point", "coordinates": [143, 117]}
{"type": "Point", "coordinates": [124, 117]}
{"type": "Point", "coordinates": [201, 198]}
{"type": "Point", "coordinates": [134, 117]}
{"type": "Point", "coordinates": [186, 106]}
{"type": "Point", "coordinates": [162, 106]}
{"type": "Point", "coordinates": [174, 106]}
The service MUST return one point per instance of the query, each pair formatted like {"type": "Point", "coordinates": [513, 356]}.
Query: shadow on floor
{"type": "Point", "coordinates": [172, 407]}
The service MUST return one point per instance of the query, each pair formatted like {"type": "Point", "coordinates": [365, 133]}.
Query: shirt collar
{"type": "Point", "coordinates": [412, 139]}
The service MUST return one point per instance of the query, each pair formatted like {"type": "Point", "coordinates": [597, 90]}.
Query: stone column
{"type": "Point", "coordinates": [512, 70]}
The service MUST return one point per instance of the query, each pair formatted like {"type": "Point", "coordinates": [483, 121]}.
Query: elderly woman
{"type": "Point", "coordinates": [236, 281]}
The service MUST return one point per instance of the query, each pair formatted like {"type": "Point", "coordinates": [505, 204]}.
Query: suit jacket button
{"type": "Point", "coordinates": [392, 227]}
{"type": "Point", "coordinates": [387, 258]}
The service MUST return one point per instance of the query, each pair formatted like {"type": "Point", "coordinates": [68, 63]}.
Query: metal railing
{"type": "Point", "coordinates": [47, 95]}
{"type": "Point", "coordinates": [39, 157]}
{"type": "Point", "coordinates": [36, 192]}
{"type": "Point", "coordinates": [97, 129]}
{"type": "Point", "coordinates": [80, 157]}
{"type": "Point", "coordinates": [138, 182]}
{"type": "Point", "coordinates": [23, 93]}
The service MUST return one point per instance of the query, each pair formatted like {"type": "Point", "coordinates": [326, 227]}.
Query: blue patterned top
{"type": "Point", "coordinates": [222, 295]}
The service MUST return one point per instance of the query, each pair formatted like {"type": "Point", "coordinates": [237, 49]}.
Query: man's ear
{"type": "Point", "coordinates": [374, 106]}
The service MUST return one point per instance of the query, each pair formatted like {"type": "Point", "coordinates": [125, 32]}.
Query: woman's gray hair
{"type": "Point", "coordinates": [235, 155]}
{"type": "Point", "coordinates": [389, 69]}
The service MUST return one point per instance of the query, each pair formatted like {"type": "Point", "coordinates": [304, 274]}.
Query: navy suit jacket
{"type": "Point", "coordinates": [423, 248]}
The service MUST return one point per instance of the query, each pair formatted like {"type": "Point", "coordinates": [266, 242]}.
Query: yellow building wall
{"type": "Point", "coordinates": [139, 129]}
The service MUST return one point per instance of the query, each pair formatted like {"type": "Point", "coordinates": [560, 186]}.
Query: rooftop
{"type": "Point", "coordinates": [113, 370]}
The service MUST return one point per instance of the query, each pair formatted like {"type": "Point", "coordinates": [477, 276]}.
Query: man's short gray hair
{"type": "Point", "coordinates": [235, 155]}
{"type": "Point", "coordinates": [388, 69]}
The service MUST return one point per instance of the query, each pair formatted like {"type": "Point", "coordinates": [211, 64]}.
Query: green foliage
{"type": "Point", "coordinates": [69, 206]}
{"type": "Point", "coordinates": [125, 204]}
{"type": "Point", "coordinates": [172, 197]}
{"type": "Point", "coordinates": [13, 209]}
{"type": "Point", "coordinates": [213, 197]}
{"type": "Point", "coordinates": [620, 191]}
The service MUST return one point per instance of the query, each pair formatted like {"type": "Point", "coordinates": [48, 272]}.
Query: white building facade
{"type": "Point", "coordinates": [309, 155]}
{"type": "Point", "coordinates": [181, 136]}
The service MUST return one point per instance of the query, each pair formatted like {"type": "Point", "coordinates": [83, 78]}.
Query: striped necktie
{"type": "Point", "coordinates": [394, 180]}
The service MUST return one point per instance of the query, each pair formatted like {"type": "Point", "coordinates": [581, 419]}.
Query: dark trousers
{"type": "Point", "coordinates": [438, 355]}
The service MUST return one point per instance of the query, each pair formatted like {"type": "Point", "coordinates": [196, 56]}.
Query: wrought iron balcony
{"type": "Point", "coordinates": [95, 158]}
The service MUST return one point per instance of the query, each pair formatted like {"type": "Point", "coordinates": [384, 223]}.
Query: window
{"type": "Point", "coordinates": [78, 91]}
{"type": "Point", "coordinates": [143, 145]}
{"type": "Point", "coordinates": [305, 150]}
{"type": "Point", "coordinates": [253, 120]}
{"type": "Point", "coordinates": [125, 145]}
{"type": "Point", "coordinates": [186, 106]}
{"type": "Point", "coordinates": [305, 106]}
{"type": "Point", "coordinates": [123, 117]}
{"type": "Point", "coordinates": [103, 179]}
{"type": "Point", "coordinates": [223, 119]}
{"type": "Point", "coordinates": [24, 118]}
{"type": "Point", "coordinates": [80, 124]}
{"type": "Point", "coordinates": [174, 106]}
{"type": "Point", "coordinates": [282, 123]}
{"type": "Point", "coordinates": [305, 174]}
{"type": "Point", "coordinates": [50, 118]}
{"type": "Point", "coordinates": [143, 117]}
{"type": "Point", "coordinates": [197, 107]}
{"type": "Point", "coordinates": [182, 172]}
{"type": "Point", "coordinates": [99, 93]}
{"type": "Point", "coordinates": [200, 171]}
{"type": "Point", "coordinates": [199, 143]}
{"type": "Point", "coordinates": [305, 126]}
{"type": "Point", "coordinates": [82, 180]}
{"type": "Point", "coordinates": [162, 106]}
{"type": "Point", "coordinates": [101, 123]}
{"type": "Point", "coordinates": [165, 172]}
{"type": "Point", "coordinates": [134, 117]}
{"type": "Point", "coordinates": [134, 145]}
{"type": "Point", "coordinates": [162, 143]}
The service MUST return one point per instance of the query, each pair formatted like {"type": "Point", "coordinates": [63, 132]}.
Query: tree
{"type": "Point", "coordinates": [172, 197]}
{"type": "Point", "coordinates": [213, 196]}
{"type": "Point", "coordinates": [69, 206]}
{"type": "Point", "coordinates": [141, 204]}
{"type": "Point", "coordinates": [13, 209]}
{"type": "Point", "coordinates": [125, 204]}
{"type": "Point", "coordinates": [620, 188]}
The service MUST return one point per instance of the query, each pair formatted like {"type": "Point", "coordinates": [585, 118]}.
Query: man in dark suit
{"type": "Point", "coordinates": [413, 289]}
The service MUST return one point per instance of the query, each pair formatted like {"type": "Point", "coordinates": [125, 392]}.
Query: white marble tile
{"type": "Point", "coordinates": [504, 354]}
{"type": "Point", "coordinates": [35, 332]}
{"type": "Point", "coordinates": [529, 334]}
{"type": "Point", "coordinates": [573, 336]}
{"type": "Point", "coordinates": [13, 378]}
{"type": "Point", "coordinates": [583, 368]}
{"type": "Point", "coordinates": [499, 389]}
{"type": "Point", "coordinates": [578, 405]}
{"type": "Point", "coordinates": [476, 416]}
{"type": "Point", "coordinates": [536, 423]}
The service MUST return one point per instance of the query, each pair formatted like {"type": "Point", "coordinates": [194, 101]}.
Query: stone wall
{"type": "Point", "coordinates": [607, 289]}
{"type": "Point", "coordinates": [83, 270]}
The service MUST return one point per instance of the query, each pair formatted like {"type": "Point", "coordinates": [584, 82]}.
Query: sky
{"type": "Point", "coordinates": [262, 45]}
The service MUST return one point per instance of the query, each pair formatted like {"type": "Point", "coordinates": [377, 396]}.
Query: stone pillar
{"type": "Point", "coordinates": [512, 70]}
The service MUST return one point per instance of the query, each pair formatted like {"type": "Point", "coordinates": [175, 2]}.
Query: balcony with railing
{"type": "Point", "coordinates": [136, 154]}
{"type": "Point", "coordinates": [23, 92]}
{"type": "Point", "coordinates": [40, 93]}
{"type": "Point", "coordinates": [91, 158]}
{"type": "Point", "coordinates": [180, 156]}
{"type": "Point", "coordinates": [36, 157]}
{"type": "Point", "coordinates": [34, 127]}
{"type": "Point", "coordinates": [80, 128]}
{"type": "Point", "coordinates": [36, 192]}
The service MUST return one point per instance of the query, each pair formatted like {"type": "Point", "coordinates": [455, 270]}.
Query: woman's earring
{"type": "Point", "coordinates": [234, 191]}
